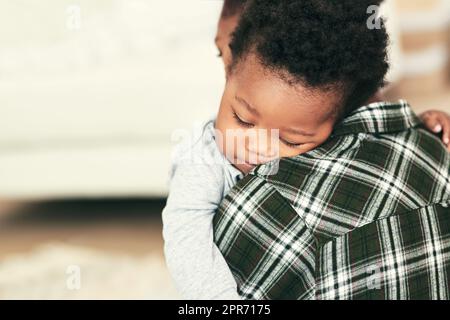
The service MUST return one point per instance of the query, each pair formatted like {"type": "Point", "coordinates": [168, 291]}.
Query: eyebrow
{"type": "Point", "coordinates": [247, 105]}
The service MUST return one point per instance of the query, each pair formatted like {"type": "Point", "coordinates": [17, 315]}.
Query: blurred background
{"type": "Point", "coordinates": [91, 96]}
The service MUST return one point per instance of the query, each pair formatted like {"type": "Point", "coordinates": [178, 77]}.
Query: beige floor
{"type": "Point", "coordinates": [117, 244]}
{"type": "Point", "coordinates": [123, 226]}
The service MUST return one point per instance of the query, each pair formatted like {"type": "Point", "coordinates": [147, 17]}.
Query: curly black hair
{"type": "Point", "coordinates": [232, 7]}
{"type": "Point", "coordinates": [322, 44]}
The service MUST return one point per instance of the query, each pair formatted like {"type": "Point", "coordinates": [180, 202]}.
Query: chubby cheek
{"type": "Point", "coordinates": [286, 152]}
{"type": "Point", "coordinates": [324, 133]}
{"type": "Point", "coordinates": [224, 122]}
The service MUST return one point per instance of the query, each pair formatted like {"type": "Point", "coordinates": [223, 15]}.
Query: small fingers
{"type": "Point", "coordinates": [444, 124]}
{"type": "Point", "coordinates": [446, 132]}
{"type": "Point", "coordinates": [432, 122]}
{"type": "Point", "coordinates": [438, 122]}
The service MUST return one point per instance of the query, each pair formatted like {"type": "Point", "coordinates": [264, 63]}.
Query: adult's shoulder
{"type": "Point", "coordinates": [357, 178]}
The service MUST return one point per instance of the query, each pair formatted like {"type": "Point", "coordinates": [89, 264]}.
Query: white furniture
{"type": "Point", "coordinates": [90, 94]}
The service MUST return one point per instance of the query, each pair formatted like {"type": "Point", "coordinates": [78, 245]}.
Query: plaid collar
{"type": "Point", "coordinates": [379, 117]}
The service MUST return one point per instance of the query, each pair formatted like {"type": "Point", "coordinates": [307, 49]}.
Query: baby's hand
{"type": "Point", "coordinates": [437, 122]}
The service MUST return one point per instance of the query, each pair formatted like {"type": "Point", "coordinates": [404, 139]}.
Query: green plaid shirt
{"type": "Point", "coordinates": [364, 216]}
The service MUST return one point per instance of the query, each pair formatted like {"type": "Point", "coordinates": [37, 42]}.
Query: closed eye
{"type": "Point", "coordinates": [249, 125]}
{"type": "Point", "coordinates": [290, 144]}
{"type": "Point", "coordinates": [241, 122]}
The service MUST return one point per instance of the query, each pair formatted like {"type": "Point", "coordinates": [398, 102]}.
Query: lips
{"type": "Point", "coordinates": [246, 167]}
{"type": "Point", "coordinates": [249, 165]}
{"type": "Point", "coordinates": [259, 159]}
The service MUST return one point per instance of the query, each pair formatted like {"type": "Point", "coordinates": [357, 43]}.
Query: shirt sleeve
{"type": "Point", "coordinates": [194, 261]}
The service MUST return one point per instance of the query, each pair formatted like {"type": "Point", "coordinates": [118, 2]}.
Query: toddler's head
{"type": "Point", "coordinates": [299, 67]}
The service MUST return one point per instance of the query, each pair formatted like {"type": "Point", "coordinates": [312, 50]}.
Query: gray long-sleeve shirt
{"type": "Point", "coordinates": [199, 178]}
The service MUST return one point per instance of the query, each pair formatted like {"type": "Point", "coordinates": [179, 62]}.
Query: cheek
{"type": "Point", "coordinates": [225, 118]}
{"type": "Point", "coordinates": [224, 122]}
{"type": "Point", "coordinates": [286, 152]}
{"type": "Point", "coordinates": [289, 153]}
{"type": "Point", "coordinates": [323, 135]}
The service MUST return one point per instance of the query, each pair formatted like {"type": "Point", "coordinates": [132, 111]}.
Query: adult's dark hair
{"type": "Point", "coordinates": [232, 7]}
{"type": "Point", "coordinates": [322, 44]}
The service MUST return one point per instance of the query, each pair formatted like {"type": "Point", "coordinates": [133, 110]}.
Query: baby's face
{"type": "Point", "coordinates": [257, 100]}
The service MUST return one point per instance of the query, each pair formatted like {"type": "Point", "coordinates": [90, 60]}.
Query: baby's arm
{"type": "Point", "coordinates": [193, 259]}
